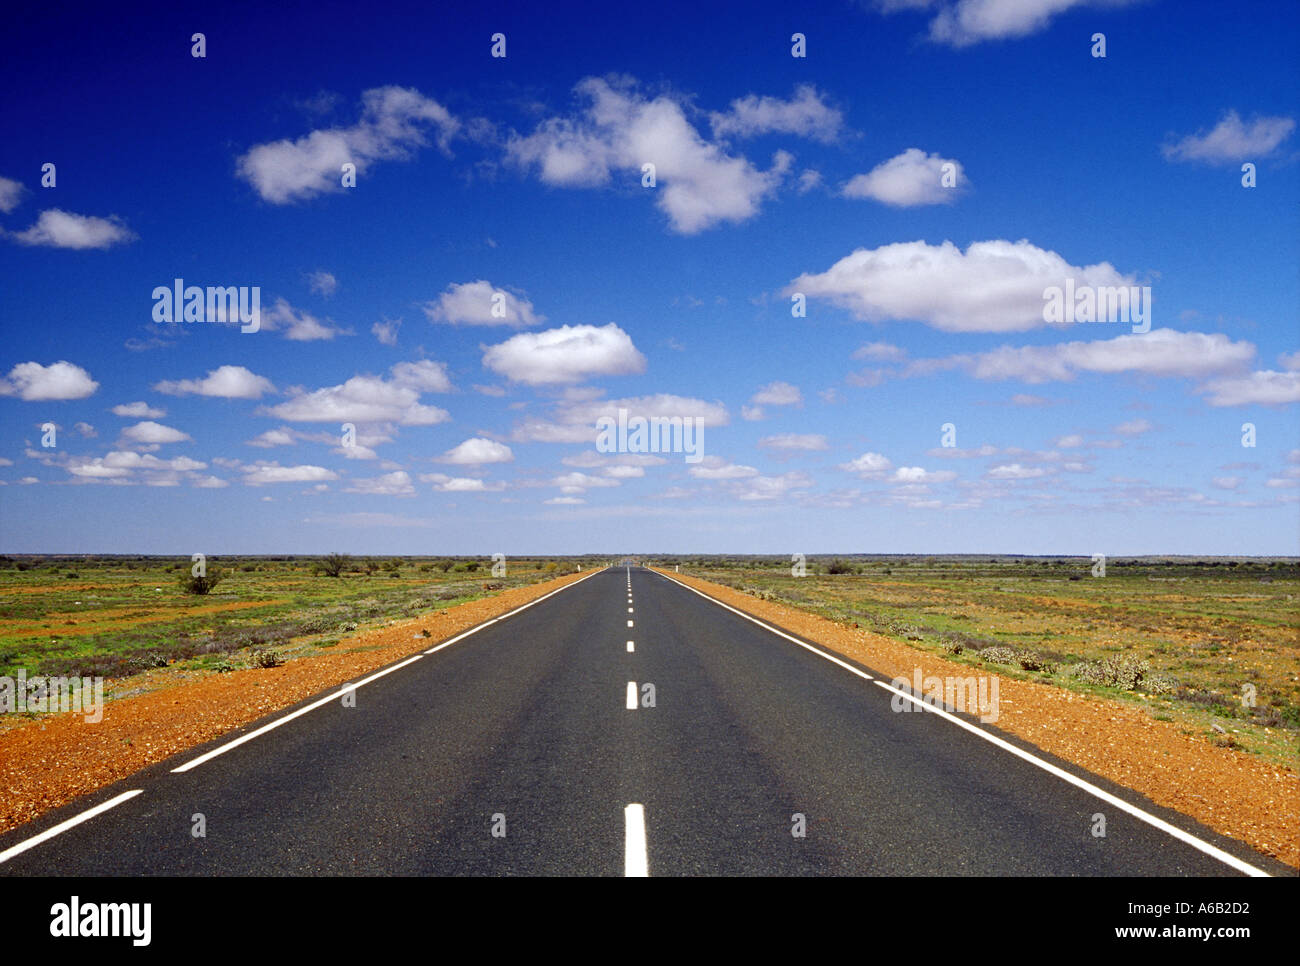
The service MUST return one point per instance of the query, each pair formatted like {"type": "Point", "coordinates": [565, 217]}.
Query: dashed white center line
{"type": "Point", "coordinates": [636, 865]}
{"type": "Point", "coordinates": [629, 610]}
{"type": "Point", "coordinates": [631, 695]}
{"type": "Point", "coordinates": [630, 647]}
{"type": "Point", "coordinates": [629, 623]}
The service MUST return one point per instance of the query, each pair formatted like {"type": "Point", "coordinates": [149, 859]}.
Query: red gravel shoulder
{"type": "Point", "coordinates": [52, 760]}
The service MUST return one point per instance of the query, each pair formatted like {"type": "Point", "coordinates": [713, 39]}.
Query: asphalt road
{"type": "Point", "coordinates": [513, 752]}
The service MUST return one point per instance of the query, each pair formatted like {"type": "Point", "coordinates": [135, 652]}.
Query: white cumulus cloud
{"type": "Point", "coordinates": [910, 179]}
{"type": "Point", "coordinates": [56, 228]}
{"type": "Point", "coordinates": [225, 382]}
{"type": "Point", "coordinates": [993, 286]}
{"type": "Point", "coordinates": [481, 303]}
{"type": "Point", "coordinates": [870, 466]}
{"type": "Point", "coordinates": [962, 23]}
{"type": "Point", "coordinates": [1232, 140]}
{"type": "Point", "coordinates": [806, 114]}
{"type": "Point", "coordinates": [568, 354]}
{"type": "Point", "coordinates": [151, 432]}
{"type": "Point", "coordinates": [394, 123]}
{"type": "Point", "coordinates": [698, 183]}
{"type": "Point", "coordinates": [476, 451]}
{"type": "Point", "coordinates": [138, 410]}
{"type": "Point", "coordinates": [1263, 388]}
{"type": "Point", "coordinates": [33, 382]}
{"type": "Point", "coordinates": [367, 399]}
{"type": "Point", "coordinates": [262, 472]}
{"type": "Point", "coordinates": [778, 394]}
{"type": "Point", "coordinates": [808, 442]}
{"type": "Point", "coordinates": [11, 193]}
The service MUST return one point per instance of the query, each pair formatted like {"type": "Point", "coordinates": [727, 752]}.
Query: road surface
{"type": "Point", "coordinates": [529, 747]}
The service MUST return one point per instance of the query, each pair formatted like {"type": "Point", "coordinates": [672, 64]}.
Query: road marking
{"type": "Point", "coordinates": [631, 695]}
{"type": "Point", "coordinates": [1159, 823]}
{"type": "Point", "coordinates": [630, 647]}
{"type": "Point", "coordinates": [1105, 796]}
{"type": "Point", "coordinates": [62, 827]}
{"type": "Point", "coordinates": [780, 633]}
{"type": "Point", "coordinates": [228, 746]}
{"type": "Point", "coordinates": [636, 865]}
{"type": "Point", "coordinates": [629, 610]}
{"type": "Point", "coordinates": [208, 756]}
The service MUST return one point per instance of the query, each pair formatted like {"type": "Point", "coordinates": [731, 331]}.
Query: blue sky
{"type": "Point", "coordinates": [922, 176]}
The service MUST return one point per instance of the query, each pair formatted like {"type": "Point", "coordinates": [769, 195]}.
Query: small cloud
{"type": "Point", "coordinates": [11, 193]}
{"type": "Point", "coordinates": [568, 354]}
{"type": "Point", "coordinates": [298, 325]}
{"type": "Point", "coordinates": [392, 126]}
{"type": "Point", "coordinates": [461, 484]}
{"type": "Point", "coordinates": [1028, 399]}
{"type": "Point", "coordinates": [262, 473]}
{"type": "Point", "coordinates": [481, 303]}
{"type": "Point", "coordinates": [33, 382]}
{"type": "Point", "coordinates": [477, 451]}
{"type": "Point", "coordinates": [910, 179]}
{"type": "Point", "coordinates": [322, 283]}
{"type": "Point", "coordinates": [1014, 471]}
{"type": "Point", "coordinates": [806, 114]}
{"type": "Point", "coordinates": [390, 484]}
{"type": "Point", "coordinates": [138, 410]}
{"type": "Point", "coordinates": [918, 474]}
{"type": "Point", "coordinates": [151, 432]}
{"type": "Point", "coordinates": [880, 351]}
{"type": "Point", "coordinates": [1232, 141]}
{"type": "Point", "coordinates": [868, 466]}
{"type": "Point", "coordinates": [386, 331]}
{"type": "Point", "coordinates": [274, 437]}
{"type": "Point", "coordinates": [806, 442]}
{"type": "Point", "coordinates": [225, 382]}
{"type": "Point", "coordinates": [56, 228]}
{"type": "Point", "coordinates": [1134, 427]}
{"type": "Point", "coordinates": [778, 394]}
{"type": "Point", "coordinates": [1266, 388]}
{"type": "Point", "coordinates": [424, 375]}
{"type": "Point", "coordinates": [716, 468]}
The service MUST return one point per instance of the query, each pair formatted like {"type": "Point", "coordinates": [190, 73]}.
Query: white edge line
{"type": "Point", "coordinates": [1105, 796]}
{"type": "Point", "coordinates": [62, 827]}
{"type": "Point", "coordinates": [780, 633]}
{"type": "Point", "coordinates": [636, 864]}
{"type": "Point", "coordinates": [1159, 823]}
{"type": "Point", "coordinates": [271, 726]}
